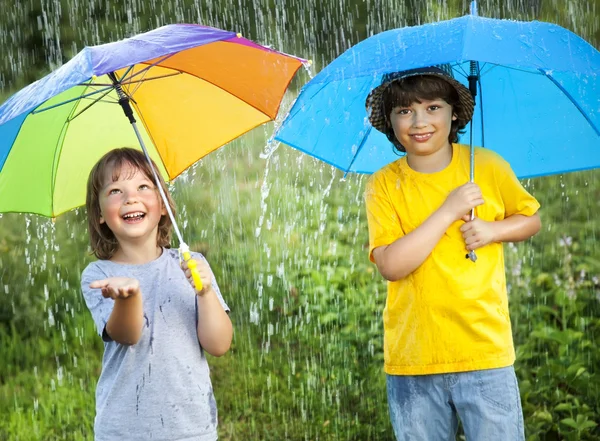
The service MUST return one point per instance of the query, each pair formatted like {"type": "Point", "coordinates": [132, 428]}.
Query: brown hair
{"type": "Point", "coordinates": [403, 92]}
{"type": "Point", "coordinates": [102, 240]}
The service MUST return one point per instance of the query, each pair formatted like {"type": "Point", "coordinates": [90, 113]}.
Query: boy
{"type": "Point", "coordinates": [448, 346]}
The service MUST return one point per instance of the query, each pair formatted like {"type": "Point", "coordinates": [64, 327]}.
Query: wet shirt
{"type": "Point", "coordinates": [450, 314]}
{"type": "Point", "coordinates": [159, 388]}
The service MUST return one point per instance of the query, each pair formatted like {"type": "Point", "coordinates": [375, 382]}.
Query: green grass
{"type": "Point", "coordinates": [287, 238]}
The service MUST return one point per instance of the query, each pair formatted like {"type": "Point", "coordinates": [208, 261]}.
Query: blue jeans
{"type": "Point", "coordinates": [427, 407]}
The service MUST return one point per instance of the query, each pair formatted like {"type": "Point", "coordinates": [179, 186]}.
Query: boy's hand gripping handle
{"type": "Point", "coordinates": [471, 254]}
{"type": "Point", "coordinates": [191, 264]}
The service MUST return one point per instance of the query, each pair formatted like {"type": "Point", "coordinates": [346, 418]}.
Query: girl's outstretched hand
{"type": "Point", "coordinates": [204, 272]}
{"type": "Point", "coordinates": [117, 287]}
{"type": "Point", "coordinates": [477, 232]}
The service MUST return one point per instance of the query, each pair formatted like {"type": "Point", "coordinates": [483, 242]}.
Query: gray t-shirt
{"type": "Point", "coordinates": [159, 388]}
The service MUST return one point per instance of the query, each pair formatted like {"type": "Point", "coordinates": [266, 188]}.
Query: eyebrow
{"type": "Point", "coordinates": [107, 186]}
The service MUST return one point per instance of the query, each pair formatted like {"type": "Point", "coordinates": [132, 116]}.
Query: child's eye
{"type": "Point", "coordinates": [402, 111]}
{"type": "Point", "coordinates": [114, 191]}
{"type": "Point", "coordinates": [434, 107]}
{"type": "Point", "coordinates": [144, 187]}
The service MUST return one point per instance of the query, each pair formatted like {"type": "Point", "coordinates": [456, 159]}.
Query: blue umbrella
{"type": "Point", "coordinates": [537, 103]}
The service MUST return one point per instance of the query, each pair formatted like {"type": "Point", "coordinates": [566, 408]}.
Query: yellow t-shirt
{"type": "Point", "coordinates": [450, 314]}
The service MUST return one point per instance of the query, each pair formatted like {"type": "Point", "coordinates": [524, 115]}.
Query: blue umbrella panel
{"type": "Point", "coordinates": [537, 103]}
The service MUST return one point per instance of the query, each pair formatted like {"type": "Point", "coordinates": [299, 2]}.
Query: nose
{"type": "Point", "coordinates": [419, 119]}
{"type": "Point", "coordinates": [130, 198]}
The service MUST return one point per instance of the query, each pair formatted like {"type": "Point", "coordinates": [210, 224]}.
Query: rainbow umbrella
{"type": "Point", "coordinates": [191, 88]}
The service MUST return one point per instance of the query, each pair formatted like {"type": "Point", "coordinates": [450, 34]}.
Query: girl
{"type": "Point", "coordinates": [155, 381]}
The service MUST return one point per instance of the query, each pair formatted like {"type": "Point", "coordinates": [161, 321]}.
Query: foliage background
{"type": "Point", "coordinates": [287, 238]}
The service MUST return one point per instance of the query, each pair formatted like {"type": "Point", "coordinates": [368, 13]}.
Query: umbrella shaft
{"type": "Point", "coordinates": [123, 99]}
{"type": "Point", "coordinates": [126, 106]}
{"type": "Point", "coordinates": [157, 180]}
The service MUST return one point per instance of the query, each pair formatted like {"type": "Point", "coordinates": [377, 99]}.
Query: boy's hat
{"type": "Point", "coordinates": [374, 103]}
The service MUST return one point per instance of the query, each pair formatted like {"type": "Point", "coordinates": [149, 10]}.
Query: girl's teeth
{"type": "Point", "coordinates": [133, 216]}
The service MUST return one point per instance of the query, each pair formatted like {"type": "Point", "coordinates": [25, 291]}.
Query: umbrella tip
{"type": "Point", "coordinates": [473, 8]}
{"type": "Point", "coordinates": [239, 35]}
{"type": "Point", "coordinates": [309, 62]}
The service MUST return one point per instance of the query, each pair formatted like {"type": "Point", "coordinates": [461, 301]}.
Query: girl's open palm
{"type": "Point", "coordinates": [117, 287]}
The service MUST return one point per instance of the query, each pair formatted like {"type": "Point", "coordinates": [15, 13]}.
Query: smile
{"type": "Point", "coordinates": [134, 217]}
{"type": "Point", "coordinates": [422, 137]}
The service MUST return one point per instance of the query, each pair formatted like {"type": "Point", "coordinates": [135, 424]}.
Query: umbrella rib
{"type": "Point", "coordinates": [58, 153]}
{"type": "Point", "coordinates": [145, 69]}
{"type": "Point", "coordinates": [574, 102]}
{"type": "Point", "coordinates": [126, 72]}
{"type": "Point", "coordinates": [143, 80]}
{"type": "Point", "coordinates": [69, 119]}
{"type": "Point", "coordinates": [459, 68]}
{"type": "Point", "coordinates": [362, 143]}
{"type": "Point", "coordinates": [462, 71]}
{"type": "Point", "coordinates": [143, 72]}
{"type": "Point", "coordinates": [72, 99]}
{"type": "Point", "coordinates": [494, 65]}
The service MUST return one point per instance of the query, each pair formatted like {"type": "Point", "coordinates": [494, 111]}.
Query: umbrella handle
{"type": "Point", "coordinates": [191, 263]}
{"type": "Point", "coordinates": [471, 254]}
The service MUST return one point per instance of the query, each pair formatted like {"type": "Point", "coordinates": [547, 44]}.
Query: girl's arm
{"type": "Point", "coordinates": [400, 258]}
{"type": "Point", "coordinates": [126, 320]}
{"type": "Point", "coordinates": [214, 329]}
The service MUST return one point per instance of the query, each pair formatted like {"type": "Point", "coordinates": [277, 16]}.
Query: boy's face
{"type": "Point", "coordinates": [423, 128]}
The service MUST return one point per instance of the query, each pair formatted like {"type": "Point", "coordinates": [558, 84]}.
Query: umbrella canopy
{"type": "Point", "coordinates": [537, 103]}
{"type": "Point", "coordinates": [192, 88]}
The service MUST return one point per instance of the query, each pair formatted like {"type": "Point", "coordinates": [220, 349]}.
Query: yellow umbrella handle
{"type": "Point", "coordinates": [191, 263]}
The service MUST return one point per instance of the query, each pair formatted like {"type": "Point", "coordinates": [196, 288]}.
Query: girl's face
{"type": "Point", "coordinates": [130, 206]}
{"type": "Point", "coordinates": [423, 128]}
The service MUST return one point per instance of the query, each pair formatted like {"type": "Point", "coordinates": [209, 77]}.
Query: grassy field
{"type": "Point", "coordinates": [287, 238]}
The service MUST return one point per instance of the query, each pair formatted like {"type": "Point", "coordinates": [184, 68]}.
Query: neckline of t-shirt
{"type": "Point", "coordinates": [455, 154]}
{"type": "Point", "coordinates": [163, 255]}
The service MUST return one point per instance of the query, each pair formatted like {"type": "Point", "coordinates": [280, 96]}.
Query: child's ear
{"type": "Point", "coordinates": [454, 117]}
{"type": "Point", "coordinates": [101, 219]}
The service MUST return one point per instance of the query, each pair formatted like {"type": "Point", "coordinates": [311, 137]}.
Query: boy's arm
{"type": "Point", "coordinates": [521, 218]}
{"type": "Point", "coordinates": [516, 228]}
{"type": "Point", "coordinates": [478, 233]}
{"type": "Point", "coordinates": [400, 258]}
{"type": "Point", "coordinates": [126, 320]}
{"type": "Point", "coordinates": [406, 254]}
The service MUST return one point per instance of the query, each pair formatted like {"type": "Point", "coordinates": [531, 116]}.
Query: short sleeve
{"type": "Point", "coordinates": [214, 281]}
{"type": "Point", "coordinates": [383, 221]}
{"type": "Point", "coordinates": [516, 199]}
{"type": "Point", "coordinates": [99, 307]}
